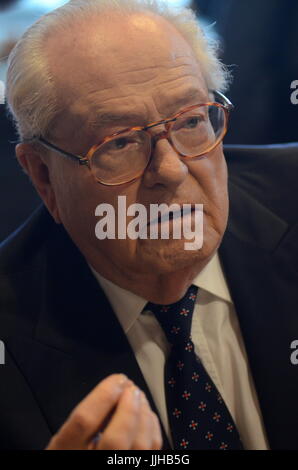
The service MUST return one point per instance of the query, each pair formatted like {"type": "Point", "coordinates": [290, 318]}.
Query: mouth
{"type": "Point", "coordinates": [167, 215]}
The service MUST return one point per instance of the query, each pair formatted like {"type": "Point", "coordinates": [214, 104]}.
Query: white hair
{"type": "Point", "coordinates": [30, 87]}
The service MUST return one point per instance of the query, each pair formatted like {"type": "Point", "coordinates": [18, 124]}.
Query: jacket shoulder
{"type": "Point", "coordinates": [21, 247]}
{"type": "Point", "coordinates": [268, 173]}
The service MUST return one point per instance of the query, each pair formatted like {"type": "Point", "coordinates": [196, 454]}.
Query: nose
{"type": "Point", "coordinates": [166, 167]}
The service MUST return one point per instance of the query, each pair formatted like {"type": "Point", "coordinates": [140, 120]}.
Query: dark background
{"type": "Point", "coordinates": [261, 38]}
{"type": "Point", "coordinates": [259, 42]}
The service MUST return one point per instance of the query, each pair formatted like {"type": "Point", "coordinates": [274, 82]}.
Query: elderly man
{"type": "Point", "coordinates": [98, 333]}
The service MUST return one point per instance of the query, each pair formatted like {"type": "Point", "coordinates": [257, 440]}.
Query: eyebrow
{"type": "Point", "coordinates": [131, 117]}
{"type": "Point", "coordinates": [104, 118]}
{"type": "Point", "coordinates": [189, 95]}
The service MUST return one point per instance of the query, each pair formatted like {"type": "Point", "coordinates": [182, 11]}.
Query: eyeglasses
{"type": "Point", "coordinates": [124, 156]}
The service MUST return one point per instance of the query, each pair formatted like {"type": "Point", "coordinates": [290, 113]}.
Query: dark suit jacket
{"type": "Point", "coordinates": [61, 336]}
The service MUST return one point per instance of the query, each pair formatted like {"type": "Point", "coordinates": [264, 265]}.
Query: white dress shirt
{"type": "Point", "coordinates": [218, 342]}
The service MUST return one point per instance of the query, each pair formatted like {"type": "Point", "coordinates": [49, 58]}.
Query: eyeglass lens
{"type": "Point", "coordinates": [125, 157]}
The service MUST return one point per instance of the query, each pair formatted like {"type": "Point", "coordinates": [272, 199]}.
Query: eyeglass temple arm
{"type": "Point", "coordinates": [45, 143]}
{"type": "Point", "coordinates": [228, 104]}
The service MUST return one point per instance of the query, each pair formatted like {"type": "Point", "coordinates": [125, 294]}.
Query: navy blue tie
{"type": "Point", "coordinates": [198, 416]}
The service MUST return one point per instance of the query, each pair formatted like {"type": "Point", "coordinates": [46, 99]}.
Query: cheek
{"type": "Point", "coordinates": [79, 200]}
{"type": "Point", "coordinates": [211, 176]}
{"type": "Point", "coordinates": [220, 184]}
{"type": "Point", "coordinates": [76, 196]}
{"type": "Point", "coordinates": [218, 191]}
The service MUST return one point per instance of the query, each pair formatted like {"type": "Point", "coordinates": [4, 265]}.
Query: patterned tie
{"type": "Point", "coordinates": [198, 416]}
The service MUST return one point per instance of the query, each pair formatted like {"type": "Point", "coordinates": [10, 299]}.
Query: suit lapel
{"type": "Point", "coordinates": [257, 263]}
{"type": "Point", "coordinates": [78, 338]}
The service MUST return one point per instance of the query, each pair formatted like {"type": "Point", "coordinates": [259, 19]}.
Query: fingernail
{"type": "Point", "coordinates": [123, 379]}
{"type": "Point", "coordinates": [136, 393]}
{"type": "Point", "coordinates": [143, 398]}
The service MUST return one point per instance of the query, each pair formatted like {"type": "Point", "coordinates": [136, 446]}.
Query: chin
{"type": "Point", "coordinates": [168, 256]}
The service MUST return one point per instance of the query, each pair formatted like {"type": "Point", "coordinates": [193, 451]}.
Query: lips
{"type": "Point", "coordinates": [171, 215]}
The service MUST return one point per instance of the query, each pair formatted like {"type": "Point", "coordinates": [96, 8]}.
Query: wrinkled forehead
{"type": "Point", "coordinates": [116, 62]}
{"type": "Point", "coordinates": [114, 51]}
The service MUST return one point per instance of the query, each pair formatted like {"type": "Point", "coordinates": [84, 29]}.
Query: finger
{"type": "Point", "coordinates": [121, 431]}
{"type": "Point", "coordinates": [149, 435]}
{"type": "Point", "coordinates": [94, 442]}
{"type": "Point", "coordinates": [157, 436]}
{"type": "Point", "coordinates": [146, 425]}
{"type": "Point", "coordinates": [144, 435]}
{"type": "Point", "coordinates": [89, 415]}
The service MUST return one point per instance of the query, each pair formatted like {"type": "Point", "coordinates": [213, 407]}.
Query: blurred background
{"type": "Point", "coordinates": [259, 41]}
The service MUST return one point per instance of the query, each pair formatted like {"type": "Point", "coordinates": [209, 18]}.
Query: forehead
{"type": "Point", "coordinates": [132, 62]}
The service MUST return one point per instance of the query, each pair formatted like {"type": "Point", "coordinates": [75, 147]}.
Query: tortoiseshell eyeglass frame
{"type": "Point", "coordinates": [225, 104]}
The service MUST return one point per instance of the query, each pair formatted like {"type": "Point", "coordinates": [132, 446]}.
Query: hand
{"type": "Point", "coordinates": [116, 409]}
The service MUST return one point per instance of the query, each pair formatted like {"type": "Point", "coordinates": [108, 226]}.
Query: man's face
{"type": "Point", "coordinates": [143, 68]}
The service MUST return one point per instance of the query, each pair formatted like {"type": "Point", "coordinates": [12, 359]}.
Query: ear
{"type": "Point", "coordinates": [37, 168]}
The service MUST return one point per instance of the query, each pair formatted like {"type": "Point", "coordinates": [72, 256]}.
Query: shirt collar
{"type": "Point", "coordinates": [128, 306]}
{"type": "Point", "coordinates": [212, 279]}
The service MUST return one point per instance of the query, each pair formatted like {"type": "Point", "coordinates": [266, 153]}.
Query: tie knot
{"type": "Point", "coordinates": [175, 319]}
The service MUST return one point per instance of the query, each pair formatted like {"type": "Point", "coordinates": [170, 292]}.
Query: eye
{"type": "Point", "coordinates": [192, 122]}
{"type": "Point", "coordinates": [119, 144]}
